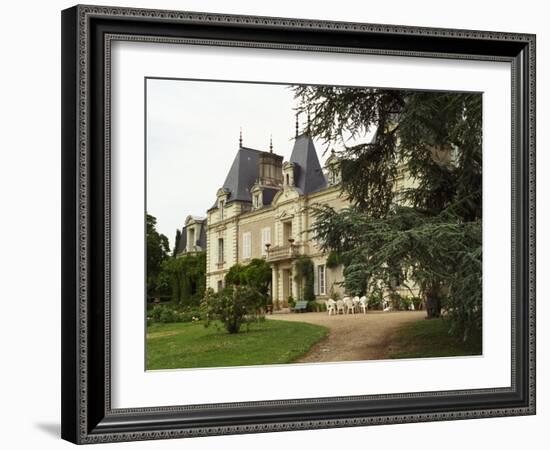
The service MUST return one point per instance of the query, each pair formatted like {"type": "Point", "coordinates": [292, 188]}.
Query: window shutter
{"type": "Point", "coordinates": [316, 280]}
{"type": "Point", "coordinates": [322, 280]}
{"type": "Point", "coordinates": [266, 238]}
{"type": "Point", "coordinates": [246, 245]}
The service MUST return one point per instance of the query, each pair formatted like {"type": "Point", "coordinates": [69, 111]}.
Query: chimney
{"type": "Point", "coordinates": [270, 169]}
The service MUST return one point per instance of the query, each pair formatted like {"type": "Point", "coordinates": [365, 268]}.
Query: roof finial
{"type": "Point", "coordinates": [270, 143]}
{"type": "Point", "coordinates": [241, 138]}
{"type": "Point", "coordinates": [308, 121]}
{"type": "Point", "coordinates": [297, 114]}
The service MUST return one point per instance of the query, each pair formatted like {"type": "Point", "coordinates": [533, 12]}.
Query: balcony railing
{"type": "Point", "coordinates": [282, 252]}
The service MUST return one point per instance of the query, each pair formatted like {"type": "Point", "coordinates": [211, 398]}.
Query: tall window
{"type": "Point", "coordinates": [333, 175]}
{"type": "Point", "coordinates": [221, 205]}
{"type": "Point", "coordinates": [247, 245]}
{"type": "Point", "coordinates": [266, 239]}
{"type": "Point", "coordinates": [220, 251]}
{"type": "Point", "coordinates": [287, 232]}
{"type": "Point", "coordinates": [321, 280]}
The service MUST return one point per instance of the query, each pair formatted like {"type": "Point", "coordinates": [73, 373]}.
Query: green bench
{"type": "Point", "coordinates": [300, 307]}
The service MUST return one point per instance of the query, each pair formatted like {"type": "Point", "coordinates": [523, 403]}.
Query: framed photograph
{"type": "Point", "coordinates": [279, 224]}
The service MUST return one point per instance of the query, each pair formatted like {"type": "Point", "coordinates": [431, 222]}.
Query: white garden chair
{"type": "Point", "coordinates": [363, 304]}
{"type": "Point", "coordinates": [356, 303]}
{"type": "Point", "coordinates": [350, 306]}
{"type": "Point", "coordinates": [345, 300]}
{"type": "Point", "coordinates": [340, 306]}
{"type": "Point", "coordinates": [331, 306]}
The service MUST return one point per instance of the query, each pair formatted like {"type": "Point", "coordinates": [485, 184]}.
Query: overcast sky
{"type": "Point", "coordinates": [193, 136]}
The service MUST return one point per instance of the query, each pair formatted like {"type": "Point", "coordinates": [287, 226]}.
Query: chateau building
{"type": "Point", "coordinates": [260, 212]}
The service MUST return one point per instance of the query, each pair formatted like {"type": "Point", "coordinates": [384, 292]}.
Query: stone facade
{"type": "Point", "coordinates": [268, 218]}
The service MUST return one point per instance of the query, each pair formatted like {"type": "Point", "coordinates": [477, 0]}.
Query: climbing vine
{"type": "Point", "coordinates": [186, 278]}
{"type": "Point", "coordinates": [305, 277]}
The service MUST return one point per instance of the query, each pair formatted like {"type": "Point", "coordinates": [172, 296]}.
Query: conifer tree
{"type": "Point", "coordinates": [430, 231]}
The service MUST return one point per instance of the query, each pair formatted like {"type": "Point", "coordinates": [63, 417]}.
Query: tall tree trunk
{"type": "Point", "coordinates": [433, 303]}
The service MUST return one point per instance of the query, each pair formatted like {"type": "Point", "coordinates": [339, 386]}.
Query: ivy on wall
{"type": "Point", "coordinates": [305, 277]}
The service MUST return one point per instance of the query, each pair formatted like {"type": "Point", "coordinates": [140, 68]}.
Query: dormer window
{"type": "Point", "coordinates": [193, 234]}
{"type": "Point", "coordinates": [191, 242]}
{"type": "Point", "coordinates": [333, 176]}
{"type": "Point", "coordinates": [257, 197]}
{"type": "Point", "coordinates": [222, 195]}
{"type": "Point", "coordinates": [288, 174]}
{"type": "Point", "coordinates": [221, 206]}
{"type": "Point", "coordinates": [333, 168]}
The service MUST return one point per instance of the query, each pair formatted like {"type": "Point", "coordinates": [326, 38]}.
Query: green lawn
{"type": "Point", "coordinates": [191, 345]}
{"type": "Point", "coordinates": [430, 338]}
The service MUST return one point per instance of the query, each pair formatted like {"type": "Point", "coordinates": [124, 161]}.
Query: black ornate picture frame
{"type": "Point", "coordinates": [87, 35]}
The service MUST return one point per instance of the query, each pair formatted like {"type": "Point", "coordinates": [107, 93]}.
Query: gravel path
{"type": "Point", "coordinates": [352, 337]}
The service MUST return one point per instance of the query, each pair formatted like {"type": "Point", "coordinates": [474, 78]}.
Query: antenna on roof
{"type": "Point", "coordinates": [270, 143]}
{"type": "Point", "coordinates": [241, 138]}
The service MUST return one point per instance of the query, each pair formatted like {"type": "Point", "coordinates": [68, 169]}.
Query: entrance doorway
{"type": "Point", "coordinates": [287, 284]}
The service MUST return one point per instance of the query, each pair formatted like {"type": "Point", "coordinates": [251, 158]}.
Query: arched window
{"type": "Point", "coordinates": [287, 179]}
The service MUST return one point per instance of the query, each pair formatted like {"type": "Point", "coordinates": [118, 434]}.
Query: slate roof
{"type": "Point", "coordinates": [182, 244]}
{"type": "Point", "coordinates": [308, 175]}
{"type": "Point", "coordinates": [268, 194]}
{"type": "Point", "coordinates": [242, 175]}
{"type": "Point", "coordinates": [202, 237]}
{"type": "Point", "coordinates": [244, 172]}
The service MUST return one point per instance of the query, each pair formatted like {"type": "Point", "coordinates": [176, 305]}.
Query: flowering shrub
{"type": "Point", "coordinates": [232, 306]}
{"type": "Point", "coordinates": [171, 314]}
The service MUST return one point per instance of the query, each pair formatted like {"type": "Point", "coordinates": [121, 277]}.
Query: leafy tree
{"type": "Point", "coordinates": [236, 275]}
{"type": "Point", "coordinates": [157, 252]}
{"type": "Point", "coordinates": [333, 260]}
{"type": "Point", "coordinates": [430, 230]}
{"type": "Point", "coordinates": [256, 275]}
